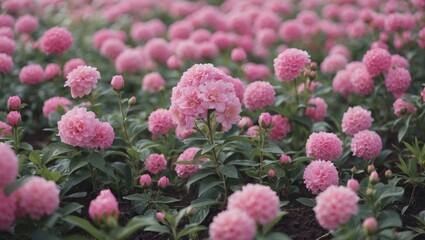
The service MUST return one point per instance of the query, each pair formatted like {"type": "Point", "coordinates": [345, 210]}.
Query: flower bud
{"type": "Point", "coordinates": [312, 75]}
{"type": "Point", "coordinates": [103, 207]}
{"type": "Point", "coordinates": [160, 216]}
{"type": "Point", "coordinates": [373, 178]}
{"type": "Point", "coordinates": [190, 211]}
{"type": "Point", "coordinates": [163, 182]}
{"type": "Point", "coordinates": [245, 122]}
{"type": "Point", "coordinates": [265, 120]}
{"type": "Point", "coordinates": [145, 180]}
{"type": "Point", "coordinates": [353, 184]}
{"type": "Point", "coordinates": [271, 172]}
{"type": "Point", "coordinates": [132, 100]}
{"type": "Point", "coordinates": [117, 82]}
{"type": "Point", "coordinates": [13, 118]}
{"type": "Point", "coordinates": [370, 225]}
{"type": "Point", "coordinates": [369, 192]}
{"type": "Point", "coordinates": [370, 168]}
{"type": "Point", "coordinates": [388, 173]}
{"type": "Point", "coordinates": [313, 65]}
{"type": "Point", "coordinates": [353, 170]}
{"type": "Point", "coordinates": [285, 159]}
{"type": "Point", "coordinates": [13, 103]}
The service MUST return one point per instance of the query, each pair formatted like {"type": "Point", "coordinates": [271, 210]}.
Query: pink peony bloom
{"type": "Point", "coordinates": [72, 64]}
{"type": "Point", "coordinates": [333, 63]}
{"type": "Point", "coordinates": [281, 127]}
{"type": "Point", "coordinates": [145, 180]}
{"type": "Point", "coordinates": [26, 24]}
{"type": "Point", "coordinates": [153, 82]}
{"type": "Point", "coordinates": [232, 224]}
{"type": "Point", "coordinates": [265, 120]}
{"type": "Point", "coordinates": [155, 163]}
{"type": "Point", "coordinates": [356, 119]}
{"type": "Point", "coordinates": [318, 112]}
{"type": "Point", "coordinates": [323, 145]}
{"type": "Point", "coordinates": [362, 82]}
{"type": "Point", "coordinates": [291, 30]}
{"type": "Point", "coordinates": [104, 34]}
{"type": "Point", "coordinates": [52, 104]}
{"type": "Point", "coordinates": [82, 80]}
{"type": "Point", "coordinates": [14, 102]}
{"type": "Point", "coordinates": [186, 170]}
{"type": "Point", "coordinates": [13, 118]}
{"type": "Point", "coordinates": [238, 55]}
{"type": "Point", "coordinates": [112, 48]}
{"type": "Point", "coordinates": [377, 61]}
{"type": "Point", "coordinates": [254, 72]}
{"type": "Point", "coordinates": [51, 71]}
{"type": "Point", "coordinates": [104, 206]}
{"type": "Point", "coordinates": [253, 131]}
{"type": "Point", "coordinates": [366, 144]}
{"type": "Point", "coordinates": [398, 61]}
{"type": "Point", "coordinates": [158, 49]}
{"type": "Point", "coordinates": [319, 175]}
{"type": "Point", "coordinates": [259, 95]}
{"type": "Point", "coordinates": [258, 201]}
{"type": "Point", "coordinates": [245, 122]}
{"type": "Point", "coordinates": [7, 45]}
{"type": "Point", "coordinates": [7, 209]}
{"type": "Point", "coordinates": [290, 64]}
{"type": "Point", "coordinates": [8, 166]}
{"type": "Point", "coordinates": [180, 30]}
{"type": "Point", "coordinates": [103, 136]}
{"type": "Point", "coordinates": [6, 63]}
{"type": "Point", "coordinates": [397, 80]}
{"type": "Point", "coordinates": [7, 32]}
{"type": "Point", "coordinates": [56, 40]}
{"type": "Point", "coordinates": [31, 74]}
{"type": "Point", "coordinates": [77, 127]}
{"type": "Point", "coordinates": [37, 198]}
{"type": "Point", "coordinates": [6, 20]}
{"type": "Point", "coordinates": [353, 184]}
{"type": "Point", "coordinates": [160, 121]}
{"type": "Point", "coordinates": [174, 62]}
{"type": "Point", "coordinates": [129, 61]}
{"type": "Point", "coordinates": [370, 225]}
{"type": "Point", "coordinates": [285, 159]}
{"type": "Point", "coordinates": [160, 216]}
{"type": "Point", "coordinates": [5, 129]}
{"type": "Point", "coordinates": [402, 107]}
{"type": "Point", "coordinates": [335, 206]}
{"type": "Point", "coordinates": [163, 182]}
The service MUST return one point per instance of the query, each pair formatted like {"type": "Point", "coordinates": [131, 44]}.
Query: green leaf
{"type": "Point", "coordinates": [135, 224]}
{"type": "Point", "coordinates": [208, 148]}
{"type": "Point", "coordinates": [273, 222]}
{"type": "Point", "coordinates": [208, 184]}
{"type": "Point", "coordinates": [137, 197]}
{"type": "Point", "coordinates": [199, 175]}
{"type": "Point", "coordinates": [229, 171]}
{"type": "Point", "coordinates": [9, 189]}
{"type": "Point", "coordinates": [199, 216]}
{"type": "Point", "coordinates": [76, 164]}
{"type": "Point", "coordinates": [237, 138]}
{"type": "Point", "coordinates": [158, 228]}
{"type": "Point", "coordinates": [389, 219]}
{"type": "Point", "coordinates": [85, 225]}
{"type": "Point", "coordinates": [70, 208]}
{"type": "Point", "coordinates": [98, 162]}
{"type": "Point", "coordinates": [309, 202]}
{"type": "Point", "coordinates": [201, 202]}
{"type": "Point", "coordinates": [25, 146]}
{"type": "Point", "coordinates": [245, 162]}
{"type": "Point", "coordinates": [305, 121]}
{"type": "Point", "coordinates": [272, 148]}
{"type": "Point", "coordinates": [404, 129]}
{"type": "Point", "coordinates": [275, 236]}
{"type": "Point", "coordinates": [166, 200]}
{"type": "Point", "coordinates": [34, 157]}
{"type": "Point", "coordinates": [189, 229]}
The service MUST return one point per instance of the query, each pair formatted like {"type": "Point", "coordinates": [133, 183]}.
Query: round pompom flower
{"type": "Point", "coordinates": [72, 64]}
{"type": "Point", "coordinates": [153, 82]}
{"type": "Point", "coordinates": [26, 24]}
{"type": "Point", "coordinates": [362, 82]}
{"type": "Point", "coordinates": [31, 74]}
{"type": "Point", "coordinates": [333, 63]}
{"type": "Point", "coordinates": [7, 45]}
{"type": "Point", "coordinates": [56, 40]}
{"type": "Point", "coordinates": [51, 71]}
{"type": "Point", "coordinates": [323, 145]}
{"type": "Point", "coordinates": [281, 127]}
{"type": "Point", "coordinates": [103, 206]}
{"type": "Point", "coordinates": [187, 170]}
{"type": "Point", "coordinates": [158, 49]}
{"type": "Point", "coordinates": [103, 135]}
{"type": "Point", "coordinates": [341, 83]}
{"type": "Point", "coordinates": [260, 202]}
{"type": "Point", "coordinates": [112, 48]}
{"type": "Point", "coordinates": [318, 112]}
{"type": "Point", "coordinates": [155, 163]}
{"type": "Point", "coordinates": [376, 61]}
{"type": "Point", "coordinates": [319, 175]}
{"type": "Point", "coordinates": [402, 107]}
{"type": "Point", "coordinates": [160, 121]}
{"type": "Point", "coordinates": [82, 80]}
{"type": "Point", "coordinates": [335, 206]}
{"type": "Point", "coordinates": [129, 61]}
{"type": "Point", "coordinates": [8, 165]}
{"type": "Point", "coordinates": [258, 95]}
{"type": "Point", "coordinates": [356, 119]}
{"type": "Point", "coordinates": [397, 80]}
{"type": "Point", "coordinates": [37, 198]}
{"type": "Point", "coordinates": [6, 63]}
{"type": "Point", "coordinates": [366, 144]}
{"type": "Point", "coordinates": [52, 104]}
{"type": "Point", "coordinates": [7, 209]}
{"type": "Point", "coordinates": [232, 224]}
{"type": "Point", "coordinates": [77, 127]}
{"type": "Point", "coordinates": [290, 63]}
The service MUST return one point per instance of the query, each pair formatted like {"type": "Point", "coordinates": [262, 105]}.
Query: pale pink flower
{"type": "Point", "coordinates": [258, 201]}
{"type": "Point", "coordinates": [5, 129]}
{"type": "Point", "coordinates": [14, 102]}
{"type": "Point", "coordinates": [82, 80]}
{"type": "Point", "coordinates": [187, 50]}
{"type": "Point", "coordinates": [180, 30]}
{"type": "Point", "coordinates": [8, 166]}
{"type": "Point", "coordinates": [258, 95]}
{"type": "Point", "coordinates": [186, 170]}
{"type": "Point", "coordinates": [333, 63]}
{"type": "Point", "coordinates": [318, 112]}
{"type": "Point", "coordinates": [7, 45]}
{"type": "Point", "coordinates": [245, 122]}
{"type": "Point", "coordinates": [112, 48]}
{"type": "Point", "coordinates": [335, 206]}
{"type": "Point", "coordinates": [253, 131]}
{"type": "Point", "coordinates": [26, 24]}
{"type": "Point", "coordinates": [398, 61]}
{"type": "Point", "coordinates": [105, 205]}
{"type": "Point", "coordinates": [155, 163]}
{"type": "Point", "coordinates": [104, 34]}
{"type": "Point", "coordinates": [290, 64]}
{"type": "Point", "coordinates": [117, 82]}
{"type": "Point", "coordinates": [361, 82]}
{"type": "Point", "coordinates": [51, 71]}
{"type": "Point", "coordinates": [52, 104]}
{"type": "Point", "coordinates": [366, 144]}
{"type": "Point", "coordinates": [281, 127]}
{"type": "Point", "coordinates": [397, 80]}
{"type": "Point", "coordinates": [6, 20]}
{"type": "Point", "coordinates": [232, 224]}
{"type": "Point", "coordinates": [72, 64]}
{"type": "Point", "coordinates": [6, 63]}
{"type": "Point", "coordinates": [266, 37]}
{"type": "Point", "coordinates": [56, 40]}
{"type": "Point", "coordinates": [265, 120]}
{"type": "Point", "coordinates": [370, 225]}
{"type": "Point", "coordinates": [163, 182]}
{"type": "Point", "coordinates": [402, 107]}
{"type": "Point", "coordinates": [377, 61]}
{"type": "Point", "coordinates": [341, 50]}
{"type": "Point", "coordinates": [356, 119]}
{"type": "Point", "coordinates": [238, 55]}
{"type": "Point", "coordinates": [254, 72]}
{"type": "Point", "coordinates": [291, 30]}
{"type": "Point", "coordinates": [160, 121]}
{"type": "Point", "coordinates": [323, 145]}
{"type": "Point", "coordinates": [153, 82]}
{"type": "Point", "coordinates": [174, 62]}
{"type": "Point", "coordinates": [31, 74]}
{"type": "Point", "coordinates": [158, 49]}
{"type": "Point", "coordinates": [145, 180]}
{"type": "Point", "coordinates": [129, 61]}
{"type": "Point", "coordinates": [103, 135]}
{"type": "Point", "coordinates": [319, 175]}
{"type": "Point", "coordinates": [7, 209]}
{"type": "Point", "coordinates": [353, 184]}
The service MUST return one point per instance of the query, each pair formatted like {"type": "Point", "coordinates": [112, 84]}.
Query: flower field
{"type": "Point", "coordinates": [214, 119]}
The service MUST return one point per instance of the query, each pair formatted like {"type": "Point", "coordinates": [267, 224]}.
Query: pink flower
{"type": "Point", "coordinates": [285, 159]}
{"type": "Point", "coordinates": [187, 50]}
{"type": "Point", "coordinates": [155, 163]}
{"type": "Point", "coordinates": [145, 180]}
{"type": "Point", "coordinates": [356, 119]}
{"type": "Point", "coordinates": [402, 107]}
{"type": "Point", "coordinates": [182, 133]}
{"type": "Point", "coordinates": [353, 184]}
{"type": "Point", "coordinates": [6, 20]}
{"type": "Point", "coordinates": [7, 209]}
{"type": "Point", "coordinates": [51, 71]}
{"type": "Point", "coordinates": [82, 80]}
{"type": "Point", "coordinates": [333, 63]}
{"type": "Point", "coordinates": [186, 170]}
{"type": "Point", "coordinates": [77, 127]}
{"type": "Point", "coordinates": [112, 48]}
{"type": "Point", "coordinates": [7, 45]}
{"type": "Point", "coordinates": [103, 136]}
{"type": "Point", "coordinates": [377, 61]}
{"type": "Point", "coordinates": [31, 74]}
{"type": "Point", "coordinates": [258, 201]}
{"type": "Point", "coordinates": [291, 30]}
{"type": "Point", "coordinates": [104, 206]}
{"type": "Point", "coordinates": [259, 95]}
{"type": "Point", "coordinates": [26, 24]}
{"type": "Point", "coordinates": [238, 55]}
{"type": "Point", "coordinates": [52, 104]}
{"type": "Point", "coordinates": [174, 62]}
{"type": "Point", "coordinates": [323, 145]}
{"type": "Point", "coordinates": [13, 118]}
{"type": "Point", "coordinates": [117, 82]}
{"type": "Point", "coordinates": [6, 63]}
{"type": "Point", "coordinates": [245, 122]}
{"type": "Point", "coordinates": [232, 224]}
{"type": "Point", "coordinates": [318, 112]}
{"type": "Point", "coordinates": [397, 80]}
{"type": "Point", "coordinates": [72, 64]}
{"type": "Point", "coordinates": [366, 144]}
{"type": "Point", "coordinates": [335, 206]}
{"type": "Point", "coordinates": [158, 49]}
{"type": "Point", "coordinates": [254, 72]}
{"type": "Point", "coordinates": [265, 120]}
{"type": "Point", "coordinates": [37, 198]}
{"type": "Point", "coordinates": [104, 34]}
{"type": "Point", "coordinates": [5, 129]}
{"type": "Point", "coordinates": [370, 225]}
{"type": "Point", "coordinates": [129, 61]}
{"type": "Point", "coordinates": [362, 82]}
{"type": "Point", "coordinates": [56, 40]}
{"type": "Point", "coordinates": [14, 102]}
{"type": "Point", "coordinates": [180, 30]}
{"type": "Point", "coordinates": [281, 127]}
{"type": "Point", "coordinates": [290, 63]}
{"type": "Point", "coordinates": [153, 82]}
{"type": "Point", "coordinates": [319, 175]}
{"type": "Point", "coordinates": [253, 131]}
{"type": "Point", "coordinates": [398, 61]}
{"type": "Point", "coordinates": [423, 94]}
{"type": "Point", "coordinates": [163, 182]}
{"type": "Point", "coordinates": [8, 166]}
{"type": "Point", "coordinates": [160, 122]}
